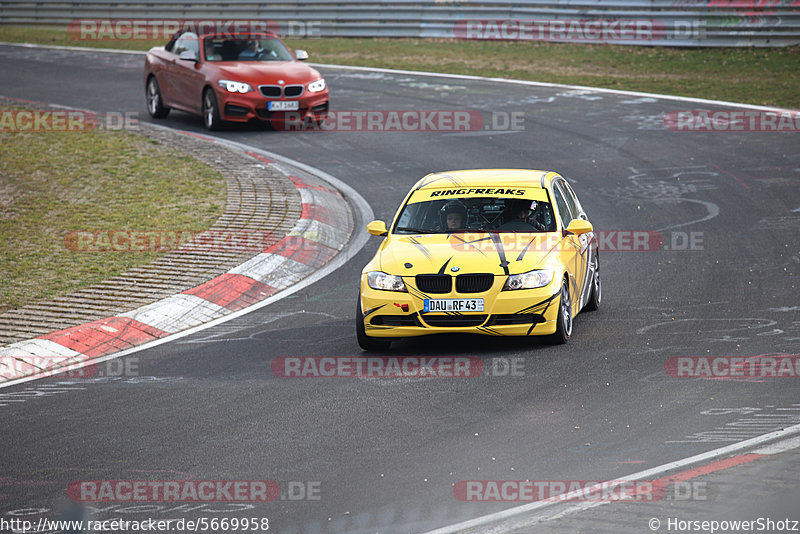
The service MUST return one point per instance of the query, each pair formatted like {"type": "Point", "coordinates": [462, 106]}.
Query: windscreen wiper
{"type": "Point", "coordinates": [415, 230]}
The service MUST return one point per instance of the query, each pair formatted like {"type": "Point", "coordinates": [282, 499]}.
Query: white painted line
{"type": "Point", "coordinates": [467, 77]}
{"type": "Point", "coordinates": [779, 447]}
{"type": "Point", "coordinates": [75, 48]}
{"type": "Point", "coordinates": [552, 85]}
{"type": "Point", "coordinates": [362, 214]}
{"type": "Point", "coordinates": [655, 472]}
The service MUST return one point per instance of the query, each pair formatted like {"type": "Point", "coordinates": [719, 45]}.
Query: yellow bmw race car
{"type": "Point", "coordinates": [503, 252]}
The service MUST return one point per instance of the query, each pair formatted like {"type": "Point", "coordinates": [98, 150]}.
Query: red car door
{"type": "Point", "coordinates": [184, 77]}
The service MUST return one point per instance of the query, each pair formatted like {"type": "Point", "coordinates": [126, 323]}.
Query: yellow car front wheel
{"type": "Point", "coordinates": [364, 341]}
{"type": "Point", "coordinates": [597, 289]}
{"type": "Point", "coordinates": [564, 321]}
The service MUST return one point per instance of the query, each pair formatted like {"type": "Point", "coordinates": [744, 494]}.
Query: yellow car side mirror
{"type": "Point", "coordinates": [579, 226]}
{"type": "Point", "coordinates": [377, 228]}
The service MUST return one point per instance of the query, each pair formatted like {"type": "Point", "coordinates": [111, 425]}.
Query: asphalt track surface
{"type": "Point", "coordinates": [385, 453]}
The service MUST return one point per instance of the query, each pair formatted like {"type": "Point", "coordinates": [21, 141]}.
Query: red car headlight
{"type": "Point", "coordinates": [235, 87]}
{"type": "Point", "coordinates": [317, 86]}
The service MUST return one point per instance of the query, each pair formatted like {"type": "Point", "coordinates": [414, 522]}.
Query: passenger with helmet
{"type": "Point", "coordinates": [453, 216]}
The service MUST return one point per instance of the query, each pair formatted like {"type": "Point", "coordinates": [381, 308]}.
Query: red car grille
{"type": "Point", "coordinates": [270, 91]}
{"type": "Point", "coordinates": [276, 91]}
{"type": "Point", "coordinates": [292, 91]}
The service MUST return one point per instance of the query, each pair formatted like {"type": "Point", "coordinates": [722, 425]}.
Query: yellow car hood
{"type": "Point", "coordinates": [472, 252]}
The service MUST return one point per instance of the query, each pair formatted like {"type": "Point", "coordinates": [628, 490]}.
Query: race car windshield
{"type": "Point", "coordinates": [258, 48]}
{"type": "Point", "coordinates": [471, 214]}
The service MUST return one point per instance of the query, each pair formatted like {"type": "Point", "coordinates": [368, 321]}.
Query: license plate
{"type": "Point", "coordinates": [283, 105]}
{"type": "Point", "coordinates": [453, 305]}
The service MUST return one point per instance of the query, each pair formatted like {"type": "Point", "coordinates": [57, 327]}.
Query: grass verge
{"type": "Point", "coordinates": [763, 76]}
{"type": "Point", "coordinates": [55, 182]}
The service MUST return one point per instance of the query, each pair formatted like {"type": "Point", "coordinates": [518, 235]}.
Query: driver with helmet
{"type": "Point", "coordinates": [453, 216]}
{"type": "Point", "coordinates": [519, 217]}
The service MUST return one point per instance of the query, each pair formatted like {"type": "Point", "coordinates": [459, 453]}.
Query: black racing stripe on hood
{"type": "Point", "coordinates": [524, 250]}
{"type": "Point", "coordinates": [471, 243]}
{"type": "Point", "coordinates": [422, 248]}
{"type": "Point", "coordinates": [498, 244]}
{"type": "Point", "coordinates": [451, 179]}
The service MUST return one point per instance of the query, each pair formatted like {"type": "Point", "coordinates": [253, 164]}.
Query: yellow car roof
{"type": "Point", "coordinates": [485, 177]}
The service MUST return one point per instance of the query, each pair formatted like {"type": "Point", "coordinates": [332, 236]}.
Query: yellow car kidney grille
{"type": "Point", "coordinates": [434, 283]}
{"type": "Point", "coordinates": [474, 283]}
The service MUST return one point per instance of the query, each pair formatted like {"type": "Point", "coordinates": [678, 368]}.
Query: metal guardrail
{"type": "Point", "coordinates": [705, 23]}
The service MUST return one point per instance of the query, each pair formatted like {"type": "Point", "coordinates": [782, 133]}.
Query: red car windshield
{"type": "Point", "coordinates": [245, 48]}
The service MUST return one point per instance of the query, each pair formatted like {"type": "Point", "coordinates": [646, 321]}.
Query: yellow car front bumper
{"type": "Point", "coordinates": [525, 312]}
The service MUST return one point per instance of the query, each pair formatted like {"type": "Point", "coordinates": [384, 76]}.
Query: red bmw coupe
{"type": "Point", "coordinates": [233, 77]}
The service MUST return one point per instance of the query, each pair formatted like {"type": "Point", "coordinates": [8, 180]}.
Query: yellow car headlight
{"type": "Point", "coordinates": [385, 282]}
{"type": "Point", "coordinates": [529, 280]}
